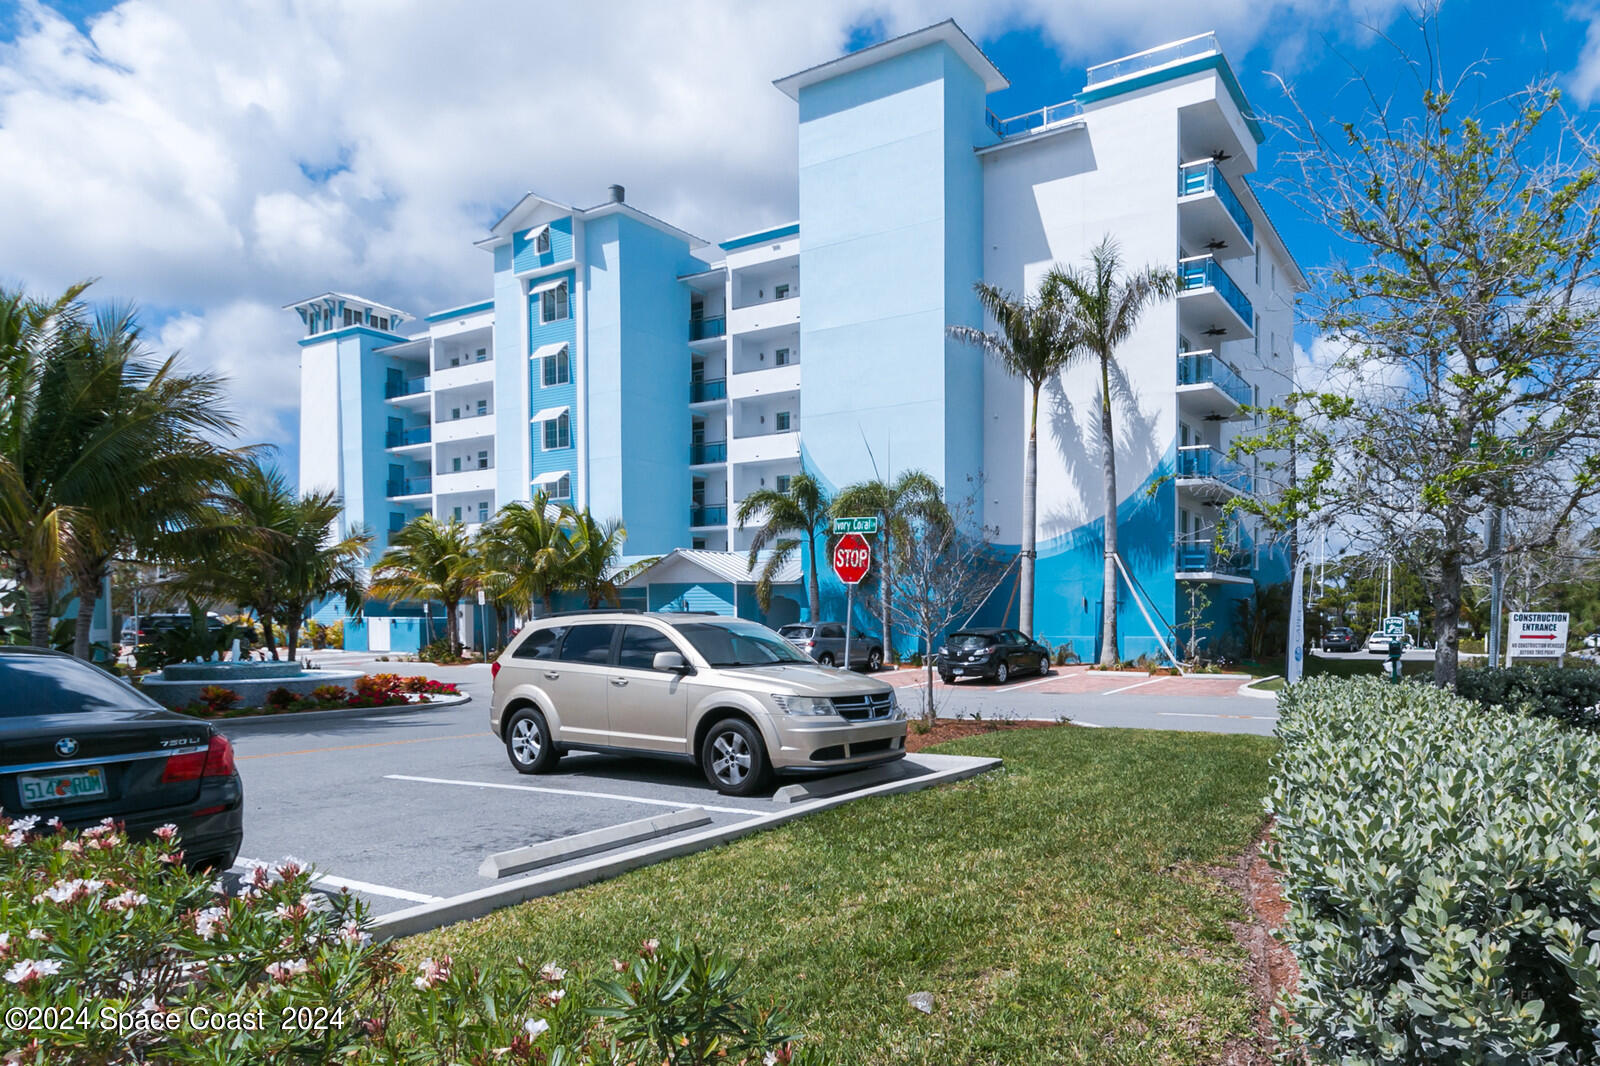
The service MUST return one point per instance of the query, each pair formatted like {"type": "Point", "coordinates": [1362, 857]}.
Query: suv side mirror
{"type": "Point", "coordinates": [669, 662]}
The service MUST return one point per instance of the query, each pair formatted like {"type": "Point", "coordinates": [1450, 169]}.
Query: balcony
{"type": "Point", "coordinates": [476, 479]}
{"type": "Point", "coordinates": [454, 377]}
{"type": "Point", "coordinates": [1209, 303]}
{"type": "Point", "coordinates": [769, 381]}
{"type": "Point", "coordinates": [706, 329]}
{"type": "Point", "coordinates": [708, 516]}
{"type": "Point", "coordinates": [397, 390]}
{"type": "Point", "coordinates": [1209, 387]}
{"type": "Point", "coordinates": [765, 447]}
{"type": "Point", "coordinates": [1210, 214]}
{"type": "Point", "coordinates": [708, 391]}
{"type": "Point", "coordinates": [712, 452]}
{"type": "Point", "coordinates": [410, 486]}
{"type": "Point", "coordinates": [1044, 118]}
{"type": "Point", "coordinates": [766, 315]}
{"type": "Point", "coordinates": [406, 438]}
{"type": "Point", "coordinates": [1164, 55]}
{"type": "Point", "coordinates": [449, 429]}
{"type": "Point", "coordinates": [1204, 561]}
{"type": "Point", "coordinates": [1210, 475]}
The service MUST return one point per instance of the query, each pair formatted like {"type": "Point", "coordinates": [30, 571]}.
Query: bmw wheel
{"type": "Point", "coordinates": [733, 757]}
{"type": "Point", "coordinates": [528, 742]}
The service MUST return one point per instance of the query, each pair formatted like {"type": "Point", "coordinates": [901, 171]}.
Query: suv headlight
{"type": "Point", "coordinates": [803, 705]}
{"type": "Point", "coordinates": [896, 712]}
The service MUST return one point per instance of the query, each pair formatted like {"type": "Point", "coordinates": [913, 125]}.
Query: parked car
{"type": "Point", "coordinates": [80, 745]}
{"type": "Point", "coordinates": [824, 642]}
{"type": "Point", "coordinates": [996, 654]}
{"type": "Point", "coordinates": [145, 628]}
{"type": "Point", "coordinates": [1378, 643]}
{"type": "Point", "coordinates": [1340, 638]}
{"type": "Point", "coordinates": [729, 695]}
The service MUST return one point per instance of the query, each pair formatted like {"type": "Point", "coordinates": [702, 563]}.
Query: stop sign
{"type": "Point", "coordinates": [851, 557]}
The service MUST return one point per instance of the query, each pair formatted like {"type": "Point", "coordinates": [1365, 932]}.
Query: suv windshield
{"type": "Point", "coordinates": [739, 644]}
{"type": "Point", "coordinates": [970, 641]}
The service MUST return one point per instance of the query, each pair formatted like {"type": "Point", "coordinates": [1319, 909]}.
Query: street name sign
{"type": "Point", "coordinates": [851, 558]}
{"type": "Point", "coordinates": [1537, 635]}
{"type": "Point", "coordinates": [867, 524]}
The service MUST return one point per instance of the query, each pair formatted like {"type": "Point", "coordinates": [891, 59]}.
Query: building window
{"type": "Point", "coordinates": [558, 433]}
{"type": "Point", "coordinates": [780, 292]}
{"type": "Point", "coordinates": [483, 354]}
{"type": "Point", "coordinates": [483, 460]}
{"type": "Point", "coordinates": [383, 324]}
{"type": "Point", "coordinates": [455, 413]}
{"type": "Point", "coordinates": [557, 367]}
{"type": "Point", "coordinates": [697, 542]}
{"type": "Point", "coordinates": [553, 304]}
{"type": "Point", "coordinates": [697, 371]}
{"type": "Point", "coordinates": [455, 466]}
{"type": "Point", "coordinates": [483, 407]}
{"type": "Point", "coordinates": [483, 512]}
{"type": "Point", "coordinates": [781, 357]}
{"type": "Point", "coordinates": [455, 360]}
{"type": "Point", "coordinates": [563, 489]}
{"type": "Point", "coordinates": [456, 512]}
{"type": "Point", "coordinates": [541, 243]}
{"type": "Point", "coordinates": [783, 483]}
{"type": "Point", "coordinates": [782, 421]}
{"type": "Point", "coordinates": [397, 521]}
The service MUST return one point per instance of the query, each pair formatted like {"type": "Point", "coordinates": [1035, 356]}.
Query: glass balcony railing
{"type": "Point", "coordinates": [1203, 271]}
{"type": "Point", "coordinates": [1202, 461]}
{"type": "Point", "coordinates": [1194, 178]}
{"type": "Point", "coordinates": [1033, 120]}
{"type": "Point", "coordinates": [1207, 368]}
{"type": "Point", "coordinates": [1204, 557]}
{"type": "Point", "coordinates": [409, 486]}
{"type": "Point", "coordinates": [704, 329]}
{"type": "Point", "coordinates": [418, 435]}
{"type": "Point", "coordinates": [406, 388]}
{"type": "Point", "coordinates": [708, 516]}
{"type": "Point", "coordinates": [700, 391]}
{"type": "Point", "coordinates": [716, 452]}
{"type": "Point", "coordinates": [1188, 48]}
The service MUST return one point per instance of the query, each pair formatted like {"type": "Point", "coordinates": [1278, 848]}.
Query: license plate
{"type": "Point", "coordinates": [62, 788]}
{"type": "Point", "coordinates": [958, 671]}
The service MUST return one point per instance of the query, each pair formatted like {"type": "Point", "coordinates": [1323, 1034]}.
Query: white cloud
{"type": "Point", "coordinates": [1585, 80]}
{"type": "Point", "coordinates": [228, 158]}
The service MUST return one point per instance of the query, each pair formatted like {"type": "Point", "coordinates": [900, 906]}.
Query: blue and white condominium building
{"type": "Point", "coordinates": [641, 372]}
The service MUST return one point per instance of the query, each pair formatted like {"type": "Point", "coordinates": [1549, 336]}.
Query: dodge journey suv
{"type": "Point", "coordinates": [727, 694]}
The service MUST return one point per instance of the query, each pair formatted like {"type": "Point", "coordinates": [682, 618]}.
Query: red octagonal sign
{"type": "Point", "coordinates": [851, 558]}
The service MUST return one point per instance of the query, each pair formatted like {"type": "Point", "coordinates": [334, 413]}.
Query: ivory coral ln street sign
{"type": "Point", "coordinates": [851, 558]}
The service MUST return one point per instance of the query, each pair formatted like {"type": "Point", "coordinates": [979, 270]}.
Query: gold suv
{"type": "Point", "coordinates": [727, 694]}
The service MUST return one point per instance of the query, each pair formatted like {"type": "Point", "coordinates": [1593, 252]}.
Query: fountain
{"type": "Point", "coordinates": [179, 684]}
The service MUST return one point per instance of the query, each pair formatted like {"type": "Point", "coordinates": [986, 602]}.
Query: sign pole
{"type": "Point", "coordinates": [849, 611]}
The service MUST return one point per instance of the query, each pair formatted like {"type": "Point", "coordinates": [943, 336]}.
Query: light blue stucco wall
{"type": "Point", "coordinates": [364, 419]}
{"type": "Point", "coordinates": [510, 370]}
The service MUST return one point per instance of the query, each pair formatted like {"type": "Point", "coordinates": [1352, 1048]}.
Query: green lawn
{"type": "Point", "coordinates": [1316, 666]}
{"type": "Point", "coordinates": [1059, 910]}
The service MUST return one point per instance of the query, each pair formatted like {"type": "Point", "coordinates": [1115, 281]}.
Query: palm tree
{"type": "Point", "coordinates": [313, 563]}
{"type": "Point", "coordinates": [526, 548]}
{"type": "Point", "coordinates": [1101, 306]}
{"type": "Point", "coordinates": [1032, 344]}
{"type": "Point", "coordinates": [914, 494]}
{"type": "Point", "coordinates": [429, 560]}
{"type": "Point", "coordinates": [591, 561]}
{"type": "Point", "coordinates": [803, 510]}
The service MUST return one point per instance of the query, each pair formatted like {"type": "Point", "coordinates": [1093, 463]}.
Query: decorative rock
{"type": "Point", "coordinates": [922, 1001]}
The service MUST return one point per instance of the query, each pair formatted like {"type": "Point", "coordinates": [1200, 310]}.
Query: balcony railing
{"type": "Point", "coordinates": [1204, 557]}
{"type": "Point", "coordinates": [419, 435]}
{"type": "Point", "coordinates": [708, 516]}
{"type": "Point", "coordinates": [406, 388]}
{"type": "Point", "coordinates": [716, 452]}
{"type": "Point", "coordinates": [409, 486]}
{"type": "Point", "coordinates": [701, 391]}
{"type": "Point", "coordinates": [704, 329]}
{"type": "Point", "coordinates": [1202, 461]}
{"type": "Point", "coordinates": [1203, 271]}
{"type": "Point", "coordinates": [1188, 48]}
{"type": "Point", "coordinates": [1207, 368]}
{"type": "Point", "coordinates": [1032, 120]}
{"type": "Point", "coordinates": [1195, 178]}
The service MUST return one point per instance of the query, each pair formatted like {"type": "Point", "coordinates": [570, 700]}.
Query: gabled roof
{"type": "Point", "coordinates": [519, 218]}
{"type": "Point", "coordinates": [719, 566]}
{"type": "Point", "coordinates": [947, 32]}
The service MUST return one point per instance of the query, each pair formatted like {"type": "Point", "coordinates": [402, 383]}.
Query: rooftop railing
{"type": "Point", "coordinates": [1203, 461]}
{"type": "Point", "coordinates": [1194, 178]}
{"type": "Point", "coordinates": [1160, 56]}
{"type": "Point", "coordinates": [704, 329]}
{"type": "Point", "coordinates": [1203, 271]}
{"type": "Point", "coordinates": [419, 435]}
{"type": "Point", "coordinates": [1032, 120]}
{"type": "Point", "coordinates": [1207, 368]}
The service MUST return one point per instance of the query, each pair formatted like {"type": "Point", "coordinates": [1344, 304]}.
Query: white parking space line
{"type": "Point", "coordinates": [330, 881]}
{"type": "Point", "coordinates": [1129, 688]}
{"type": "Point", "coordinates": [1030, 684]}
{"type": "Point", "coordinates": [675, 804]}
{"type": "Point", "coordinates": [1194, 714]}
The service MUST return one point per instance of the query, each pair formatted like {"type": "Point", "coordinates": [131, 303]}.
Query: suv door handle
{"type": "Point", "coordinates": [551, 675]}
{"type": "Point", "coordinates": [619, 681]}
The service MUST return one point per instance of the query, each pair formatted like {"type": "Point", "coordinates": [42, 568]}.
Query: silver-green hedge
{"type": "Point", "coordinates": [1441, 865]}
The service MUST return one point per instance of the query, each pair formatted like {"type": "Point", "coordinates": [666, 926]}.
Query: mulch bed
{"type": "Point", "coordinates": [953, 728]}
{"type": "Point", "coordinates": [1271, 970]}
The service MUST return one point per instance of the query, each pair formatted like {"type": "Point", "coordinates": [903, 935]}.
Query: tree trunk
{"type": "Point", "coordinates": [87, 586]}
{"type": "Point", "coordinates": [452, 631]}
{"type": "Point", "coordinates": [1108, 617]}
{"type": "Point", "coordinates": [1030, 519]}
{"type": "Point", "coordinates": [267, 637]}
{"type": "Point", "coordinates": [883, 595]}
{"type": "Point", "coordinates": [812, 590]}
{"type": "Point", "coordinates": [1446, 617]}
{"type": "Point", "coordinates": [39, 600]}
{"type": "Point", "coordinates": [291, 630]}
{"type": "Point", "coordinates": [927, 661]}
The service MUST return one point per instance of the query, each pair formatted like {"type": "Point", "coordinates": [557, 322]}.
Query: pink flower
{"type": "Point", "coordinates": [352, 933]}
{"type": "Point", "coordinates": [166, 832]}
{"type": "Point", "coordinates": [171, 858]}
{"type": "Point", "coordinates": [5, 944]}
{"type": "Point", "coordinates": [551, 972]}
{"type": "Point", "coordinates": [38, 934]}
{"type": "Point", "coordinates": [290, 912]}
{"type": "Point", "coordinates": [284, 972]}
{"type": "Point", "coordinates": [648, 948]}
{"type": "Point", "coordinates": [206, 921]}
{"type": "Point", "coordinates": [67, 893]}
{"type": "Point", "coordinates": [29, 970]}
{"type": "Point", "coordinates": [71, 847]}
{"type": "Point", "coordinates": [26, 825]}
{"type": "Point", "coordinates": [126, 901]}
{"type": "Point", "coordinates": [13, 840]}
{"type": "Point", "coordinates": [434, 972]}
{"type": "Point", "coordinates": [556, 996]}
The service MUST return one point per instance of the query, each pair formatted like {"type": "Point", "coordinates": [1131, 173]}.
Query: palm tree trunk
{"type": "Point", "coordinates": [87, 585]}
{"type": "Point", "coordinates": [39, 601]}
{"type": "Point", "coordinates": [452, 631]}
{"type": "Point", "coordinates": [1108, 619]}
{"type": "Point", "coordinates": [291, 630]}
{"type": "Point", "coordinates": [1030, 518]}
{"type": "Point", "coordinates": [885, 576]}
{"type": "Point", "coordinates": [812, 590]}
{"type": "Point", "coordinates": [265, 618]}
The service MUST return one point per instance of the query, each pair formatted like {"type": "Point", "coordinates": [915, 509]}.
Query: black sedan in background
{"type": "Point", "coordinates": [1340, 638]}
{"type": "Point", "coordinates": [996, 654]}
{"type": "Point", "coordinates": [80, 745]}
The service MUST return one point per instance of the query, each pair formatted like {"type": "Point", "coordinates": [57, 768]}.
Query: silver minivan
{"type": "Point", "coordinates": [824, 642]}
{"type": "Point", "coordinates": [727, 694]}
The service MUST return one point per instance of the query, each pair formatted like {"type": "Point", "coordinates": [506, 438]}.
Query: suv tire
{"type": "Point", "coordinates": [825, 659]}
{"type": "Point", "coordinates": [528, 743]}
{"type": "Point", "coordinates": [874, 660]}
{"type": "Point", "coordinates": [733, 758]}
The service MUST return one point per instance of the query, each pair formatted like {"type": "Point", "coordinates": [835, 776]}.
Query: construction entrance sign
{"type": "Point", "coordinates": [1537, 635]}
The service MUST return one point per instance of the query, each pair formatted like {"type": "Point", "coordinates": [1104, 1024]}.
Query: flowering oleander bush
{"type": "Point", "coordinates": [112, 952]}
{"type": "Point", "coordinates": [1441, 865]}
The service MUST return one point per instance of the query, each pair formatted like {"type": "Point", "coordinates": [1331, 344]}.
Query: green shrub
{"type": "Point", "coordinates": [1065, 654]}
{"type": "Point", "coordinates": [335, 635]}
{"type": "Point", "coordinates": [439, 651]}
{"type": "Point", "coordinates": [280, 699]}
{"type": "Point", "coordinates": [1439, 865]}
{"type": "Point", "coordinates": [1571, 694]}
{"type": "Point", "coordinates": [217, 699]}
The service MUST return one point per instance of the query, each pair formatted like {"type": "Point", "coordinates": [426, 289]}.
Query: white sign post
{"type": "Point", "coordinates": [1297, 628]}
{"type": "Point", "coordinates": [1537, 635]}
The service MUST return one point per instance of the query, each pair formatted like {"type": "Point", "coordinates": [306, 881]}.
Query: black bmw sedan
{"type": "Point", "coordinates": [80, 745]}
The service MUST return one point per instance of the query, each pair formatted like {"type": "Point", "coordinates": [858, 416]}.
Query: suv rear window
{"type": "Point", "coordinates": [795, 632]}
{"type": "Point", "coordinates": [540, 644]}
{"type": "Point", "coordinates": [587, 644]}
{"type": "Point", "coordinates": [44, 684]}
{"type": "Point", "coordinates": [968, 641]}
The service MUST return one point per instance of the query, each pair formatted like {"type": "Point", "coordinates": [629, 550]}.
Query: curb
{"type": "Point", "coordinates": [342, 712]}
{"type": "Point", "coordinates": [1259, 694]}
{"type": "Point", "coordinates": [479, 902]}
{"type": "Point", "coordinates": [521, 860]}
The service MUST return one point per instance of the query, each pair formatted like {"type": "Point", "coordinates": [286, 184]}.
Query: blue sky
{"type": "Point", "coordinates": [214, 162]}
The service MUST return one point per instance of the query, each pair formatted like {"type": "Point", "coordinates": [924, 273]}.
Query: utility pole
{"type": "Point", "coordinates": [1497, 583]}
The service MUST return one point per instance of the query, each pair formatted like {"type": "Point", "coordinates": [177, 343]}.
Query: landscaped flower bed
{"type": "Point", "coordinates": [372, 690]}
{"type": "Point", "coordinates": [112, 952]}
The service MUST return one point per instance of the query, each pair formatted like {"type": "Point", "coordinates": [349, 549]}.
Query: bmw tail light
{"type": "Point", "coordinates": [186, 767]}
{"type": "Point", "coordinates": [219, 758]}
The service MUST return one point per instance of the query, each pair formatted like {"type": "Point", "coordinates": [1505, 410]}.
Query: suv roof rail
{"type": "Point", "coordinates": [669, 614]}
{"type": "Point", "coordinates": [587, 610]}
